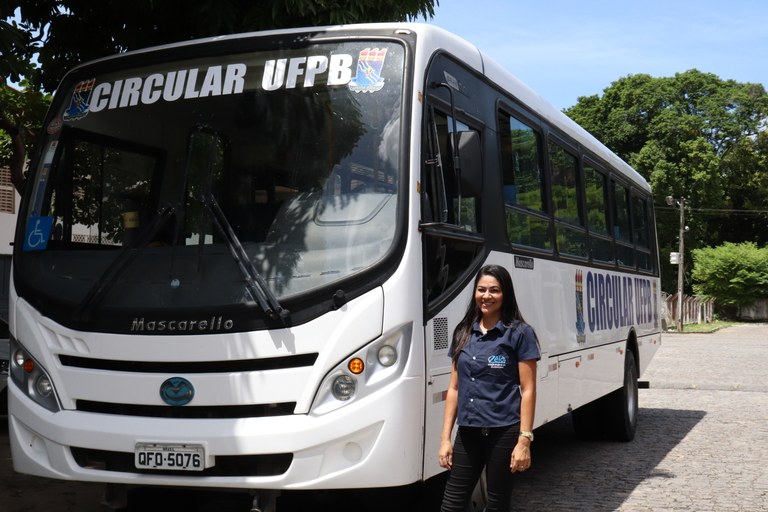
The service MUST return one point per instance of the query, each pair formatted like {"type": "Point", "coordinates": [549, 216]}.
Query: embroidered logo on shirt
{"type": "Point", "coordinates": [497, 361]}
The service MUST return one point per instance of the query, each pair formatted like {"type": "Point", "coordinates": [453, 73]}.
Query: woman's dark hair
{"type": "Point", "coordinates": [509, 310]}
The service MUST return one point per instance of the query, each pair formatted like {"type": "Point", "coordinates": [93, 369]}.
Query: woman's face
{"type": "Point", "coordinates": [488, 297]}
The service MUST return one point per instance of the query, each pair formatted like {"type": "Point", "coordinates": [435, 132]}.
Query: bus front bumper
{"type": "Point", "coordinates": [375, 442]}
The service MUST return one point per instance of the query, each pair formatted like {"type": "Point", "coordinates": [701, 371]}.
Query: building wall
{"type": "Point", "coordinates": [9, 207]}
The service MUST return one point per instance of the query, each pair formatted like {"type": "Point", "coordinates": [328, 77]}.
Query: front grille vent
{"type": "Point", "coordinates": [195, 412]}
{"type": "Point", "coordinates": [175, 367]}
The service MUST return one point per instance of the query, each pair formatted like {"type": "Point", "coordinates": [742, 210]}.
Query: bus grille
{"type": "Point", "coordinates": [226, 465]}
{"type": "Point", "coordinates": [230, 366]}
{"type": "Point", "coordinates": [196, 412]}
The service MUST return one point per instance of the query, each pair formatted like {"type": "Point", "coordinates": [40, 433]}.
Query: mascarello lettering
{"type": "Point", "coordinates": [215, 323]}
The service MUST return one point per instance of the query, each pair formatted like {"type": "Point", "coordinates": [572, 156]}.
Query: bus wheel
{"type": "Point", "coordinates": [624, 406]}
{"type": "Point", "coordinates": [613, 416]}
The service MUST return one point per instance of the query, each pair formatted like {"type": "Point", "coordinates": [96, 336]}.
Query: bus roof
{"type": "Point", "coordinates": [432, 39]}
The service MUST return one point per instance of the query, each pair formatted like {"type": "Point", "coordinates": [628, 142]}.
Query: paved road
{"type": "Point", "coordinates": [702, 443]}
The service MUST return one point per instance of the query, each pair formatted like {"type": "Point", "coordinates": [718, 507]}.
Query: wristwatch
{"type": "Point", "coordinates": [529, 435]}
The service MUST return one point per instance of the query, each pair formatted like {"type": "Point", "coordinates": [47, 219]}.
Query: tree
{"type": "Point", "coordinates": [64, 33]}
{"type": "Point", "coordinates": [14, 44]}
{"type": "Point", "coordinates": [21, 112]}
{"type": "Point", "coordinates": [692, 135]}
{"type": "Point", "coordinates": [735, 275]}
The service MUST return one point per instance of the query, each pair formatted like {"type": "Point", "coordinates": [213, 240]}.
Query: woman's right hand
{"type": "Point", "coordinates": [445, 455]}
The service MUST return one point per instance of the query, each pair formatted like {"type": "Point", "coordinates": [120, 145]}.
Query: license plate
{"type": "Point", "coordinates": [178, 457]}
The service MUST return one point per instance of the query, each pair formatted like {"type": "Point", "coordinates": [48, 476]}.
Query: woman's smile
{"type": "Point", "coordinates": [489, 298]}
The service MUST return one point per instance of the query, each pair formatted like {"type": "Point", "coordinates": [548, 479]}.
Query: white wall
{"type": "Point", "coordinates": [7, 229]}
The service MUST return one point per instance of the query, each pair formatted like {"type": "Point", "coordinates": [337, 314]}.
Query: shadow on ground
{"type": "Point", "coordinates": [571, 474]}
{"type": "Point", "coordinates": [567, 474]}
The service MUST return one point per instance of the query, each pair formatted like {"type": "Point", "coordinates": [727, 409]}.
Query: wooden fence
{"type": "Point", "coordinates": [695, 310]}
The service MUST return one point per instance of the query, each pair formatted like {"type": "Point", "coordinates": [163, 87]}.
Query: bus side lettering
{"type": "Point", "coordinates": [644, 301]}
{"type": "Point", "coordinates": [615, 301]}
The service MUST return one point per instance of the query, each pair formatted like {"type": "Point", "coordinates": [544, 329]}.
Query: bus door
{"type": "Point", "coordinates": [452, 250]}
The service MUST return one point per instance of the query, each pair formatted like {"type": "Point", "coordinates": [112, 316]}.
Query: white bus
{"type": "Point", "coordinates": [239, 261]}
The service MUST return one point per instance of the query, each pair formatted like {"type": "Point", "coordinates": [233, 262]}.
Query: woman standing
{"type": "Point", "coordinates": [492, 395]}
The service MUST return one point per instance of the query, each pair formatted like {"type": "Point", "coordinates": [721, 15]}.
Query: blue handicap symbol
{"type": "Point", "coordinates": [38, 233]}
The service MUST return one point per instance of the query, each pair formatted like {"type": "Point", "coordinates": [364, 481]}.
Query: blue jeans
{"type": "Point", "coordinates": [474, 449]}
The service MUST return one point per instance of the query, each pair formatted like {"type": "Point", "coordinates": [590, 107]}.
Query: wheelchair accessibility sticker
{"type": "Point", "coordinates": [38, 233]}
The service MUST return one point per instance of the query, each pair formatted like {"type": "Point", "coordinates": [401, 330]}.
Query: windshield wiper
{"type": "Point", "coordinates": [256, 284]}
{"type": "Point", "coordinates": [129, 253]}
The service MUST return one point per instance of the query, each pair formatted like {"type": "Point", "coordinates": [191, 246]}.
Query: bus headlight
{"type": "Point", "coordinates": [31, 378]}
{"type": "Point", "coordinates": [343, 387]}
{"type": "Point", "coordinates": [364, 372]}
{"type": "Point", "coordinates": [43, 386]}
{"type": "Point", "coordinates": [387, 355]}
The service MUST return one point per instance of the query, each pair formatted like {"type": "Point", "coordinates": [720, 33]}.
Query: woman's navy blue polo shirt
{"type": "Point", "coordinates": [489, 380]}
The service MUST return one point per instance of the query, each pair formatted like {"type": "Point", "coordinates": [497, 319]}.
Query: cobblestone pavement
{"type": "Point", "coordinates": [701, 444]}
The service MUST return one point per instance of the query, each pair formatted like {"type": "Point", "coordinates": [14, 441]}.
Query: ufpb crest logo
{"type": "Point", "coordinates": [579, 285]}
{"type": "Point", "coordinates": [369, 65]}
{"type": "Point", "coordinates": [81, 100]}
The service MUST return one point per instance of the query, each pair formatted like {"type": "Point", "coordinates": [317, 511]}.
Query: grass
{"type": "Point", "coordinates": [706, 328]}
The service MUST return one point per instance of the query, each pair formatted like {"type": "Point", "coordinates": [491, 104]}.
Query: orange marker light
{"type": "Point", "coordinates": [356, 366]}
{"type": "Point", "coordinates": [29, 365]}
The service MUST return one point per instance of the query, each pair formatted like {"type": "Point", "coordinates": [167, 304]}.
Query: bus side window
{"type": "Point", "coordinates": [641, 233]}
{"type": "Point", "coordinates": [596, 195]}
{"type": "Point", "coordinates": [569, 221]}
{"type": "Point", "coordinates": [524, 187]}
{"type": "Point", "coordinates": [625, 253]}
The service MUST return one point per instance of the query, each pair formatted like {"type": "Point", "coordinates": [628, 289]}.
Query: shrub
{"type": "Point", "coordinates": [735, 275]}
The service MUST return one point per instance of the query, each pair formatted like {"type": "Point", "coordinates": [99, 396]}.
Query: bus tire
{"type": "Point", "coordinates": [624, 408]}
{"type": "Point", "coordinates": [613, 416]}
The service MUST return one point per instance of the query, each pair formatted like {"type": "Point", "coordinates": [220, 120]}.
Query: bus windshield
{"type": "Point", "coordinates": [227, 180]}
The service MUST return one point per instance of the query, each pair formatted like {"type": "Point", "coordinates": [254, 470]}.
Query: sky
{"type": "Point", "coordinates": [564, 49]}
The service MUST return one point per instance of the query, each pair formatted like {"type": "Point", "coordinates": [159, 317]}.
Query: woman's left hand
{"type": "Point", "coordinates": [521, 456]}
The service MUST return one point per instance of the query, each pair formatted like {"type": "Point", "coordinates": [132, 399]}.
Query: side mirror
{"type": "Point", "coordinates": [471, 162]}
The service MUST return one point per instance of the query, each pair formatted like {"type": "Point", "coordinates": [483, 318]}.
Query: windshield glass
{"type": "Point", "coordinates": [217, 181]}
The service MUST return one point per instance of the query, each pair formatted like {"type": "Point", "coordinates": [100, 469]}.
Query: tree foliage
{"type": "Point", "coordinates": [735, 275]}
{"type": "Point", "coordinates": [693, 135]}
{"type": "Point", "coordinates": [21, 112]}
{"type": "Point", "coordinates": [63, 33]}
{"type": "Point", "coordinates": [14, 44]}
{"type": "Point", "coordinates": [74, 31]}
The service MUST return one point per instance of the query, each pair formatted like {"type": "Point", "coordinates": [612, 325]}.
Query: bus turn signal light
{"type": "Point", "coordinates": [356, 366]}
